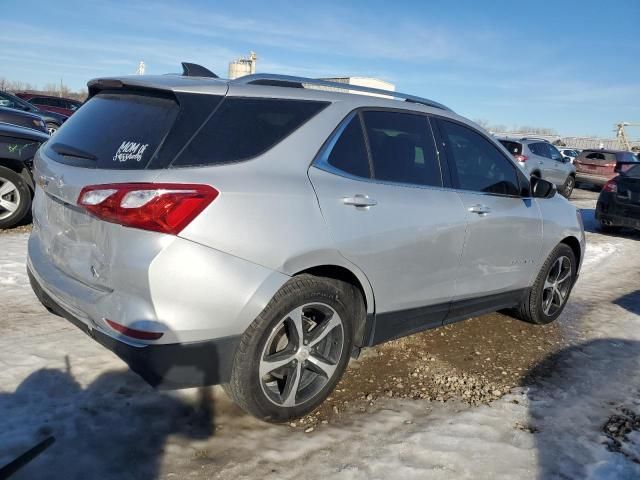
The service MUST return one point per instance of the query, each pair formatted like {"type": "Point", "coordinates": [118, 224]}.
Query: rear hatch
{"type": "Point", "coordinates": [119, 136]}
{"type": "Point", "coordinates": [629, 186]}
{"type": "Point", "coordinates": [596, 163]}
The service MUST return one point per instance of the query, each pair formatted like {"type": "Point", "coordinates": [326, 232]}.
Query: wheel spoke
{"type": "Point", "coordinates": [291, 387]}
{"type": "Point", "coordinates": [321, 366]}
{"type": "Point", "coordinates": [9, 206]}
{"type": "Point", "coordinates": [274, 362]}
{"type": "Point", "coordinates": [296, 319]}
{"type": "Point", "coordinates": [321, 331]}
{"type": "Point", "coordinates": [7, 188]}
{"type": "Point", "coordinates": [564, 277]}
{"type": "Point", "coordinates": [546, 307]}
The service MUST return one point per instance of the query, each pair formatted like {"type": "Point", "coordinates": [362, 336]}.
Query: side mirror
{"type": "Point", "coordinates": [541, 188]}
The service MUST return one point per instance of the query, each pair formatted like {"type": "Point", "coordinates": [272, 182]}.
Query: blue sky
{"type": "Point", "coordinates": [572, 66]}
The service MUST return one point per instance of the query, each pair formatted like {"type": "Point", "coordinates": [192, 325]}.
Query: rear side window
{"type": "Point", "coordinates": [243, 128]}
{"type": "Point", "coordinates": [122, 130]}
{"type": "Point", "coordinates": [402, 148]}
{"type": "Point", "coordinates": [349, 153]}
{"type": "Point", "coordinates": [514, 148]}
{"type": "Point", "coordinates": [541, 149]}
{"type": "Point", "coordinates": [481, 167]}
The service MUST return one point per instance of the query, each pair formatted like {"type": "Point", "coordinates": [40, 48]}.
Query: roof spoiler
{"type": "Point", "coordinates": [195, 70]}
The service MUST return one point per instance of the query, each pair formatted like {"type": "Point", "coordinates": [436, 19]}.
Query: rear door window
{"type": "Point", "coordinates": [402, 148]}
{"type": "Point", "coordinates": [480, 166]}
{"type": "Point", "coordinates": [349, 154]}
{"type": "Point", "coordinates": [243, 128]}
{"type": "Point", "coordinates": [122, 130]}
{"type": "Point", "coordinates": [514, 148]}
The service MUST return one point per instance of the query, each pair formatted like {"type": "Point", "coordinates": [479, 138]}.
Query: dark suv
{"type": "Point", "coordinates": [52, 120]}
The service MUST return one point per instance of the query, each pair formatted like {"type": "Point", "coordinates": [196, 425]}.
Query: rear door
{"type": "Point", "coordinates": [557, 165]}
{"type": "Point", "coordinates": [388, 213]}
{"type": "Point", "coordinates": [504, 234]}
{"type": "Point", "coordinates": [542, 160]}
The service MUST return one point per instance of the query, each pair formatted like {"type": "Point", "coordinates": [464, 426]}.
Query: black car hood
{"type": "Point", "coordinates": [16, 131]}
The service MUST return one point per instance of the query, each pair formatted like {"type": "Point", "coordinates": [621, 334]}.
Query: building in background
{"type": "Point", "coordinates": [243, 66]}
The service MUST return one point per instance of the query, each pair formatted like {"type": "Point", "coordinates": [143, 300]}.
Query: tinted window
{"type": "Point", "coordinates": [479, 164]}
{"type": "Point", "coordinates": [514, 148]}
{"type": "Point", "coordinates": [122, 130]}
{"type": "Point", "coordinates": [541, 149]}
{"type": "Point", "coordinates": [628, 157]}
{"type": "Point", "coordinates": [553, 151]}
{"type": "Point", "coordinates": [7, 101]}
{"type": "Point", "coordinates": [402, 148]}
{"type": "Point", "coordinates": [243, 128]}
{"type": "Point", "coordinates": [349, 153]}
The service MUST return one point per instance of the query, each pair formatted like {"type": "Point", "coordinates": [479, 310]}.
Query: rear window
{"type": "Point", "coordinates": [514, 148]}
{"type": "Point", "coordinates": [243, 128]}
{"type": "Point", "coordinates": [122, 130]}
{"type": "Point", "coordinates": [628, 157]}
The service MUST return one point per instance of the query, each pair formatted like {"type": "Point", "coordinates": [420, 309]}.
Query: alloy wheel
{"type": "Point", "coordinates": [556, 286]}
{"type": "Point", "coordinates": [9, 198]}
{"type": "Point", "coordinates": [301, 354]}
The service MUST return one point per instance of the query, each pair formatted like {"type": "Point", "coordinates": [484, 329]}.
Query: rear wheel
{"type": "Point", "coordinates": [569, 185]}
{"type": "Point", "coordinates": [292, 356]}
{"type": "Point", "coordinates": [15, 198]}
{"type": "Point", "coordinates": [550, 292]}
{"type": "Point", "coordinates": [604, 228]}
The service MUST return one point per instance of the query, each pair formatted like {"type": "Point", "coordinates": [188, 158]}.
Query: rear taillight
{"type": "Point", "coordinates": [521, 158]}
{"type": "Point", "coordinates": [159, 207]}
{"type": "Point", "coordinates": [611, 185]}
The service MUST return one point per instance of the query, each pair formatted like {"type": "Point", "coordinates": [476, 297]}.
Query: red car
{"type": "Point", "coordinates": [597, 167]}
{"type": "Point", "coordinates": [65, 106]}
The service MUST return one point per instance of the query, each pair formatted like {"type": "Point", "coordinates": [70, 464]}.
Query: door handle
{"type": "Point", "coordinates": [359, 200]}
{"type": "Point", "coordinates": [540, 162]}
{"type": "Point", "coordinates": [480, 209]}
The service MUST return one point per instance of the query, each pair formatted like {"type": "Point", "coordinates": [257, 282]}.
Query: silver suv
{"type": "Point", "coordinates": [259, 232]}
{"type": "Point", "coordinates": [541, 159]}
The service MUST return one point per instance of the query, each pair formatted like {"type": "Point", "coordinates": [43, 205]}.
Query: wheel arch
{"type": "Point", "coordinates": [361, 283]}
{"type": "Point", "coordinates": [574, 244]}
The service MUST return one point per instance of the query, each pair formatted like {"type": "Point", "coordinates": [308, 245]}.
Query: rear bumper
{"type": "Point", "coordinates": [612, 213]}
{"type": "Point", "coordinates": [592, 179]}
{"type": "Point", "coordinates": [176, 365]}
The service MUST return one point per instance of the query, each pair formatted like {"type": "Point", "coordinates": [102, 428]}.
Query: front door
{"type": "Point", "coordinates": [504, 235]}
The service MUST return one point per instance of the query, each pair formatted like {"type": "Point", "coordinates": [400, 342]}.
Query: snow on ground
{"type": "Point", "coordinates": [54, 380]}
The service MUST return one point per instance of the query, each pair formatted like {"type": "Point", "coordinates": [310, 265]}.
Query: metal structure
{"type": "Point", "coordinates": [243, 66]}
{"type": "Point", "coordinates": [314, 83]}
{"type": "Point", "coordinates": [141, 67]}
{"type": "Point", "coordinates": [621, 134]}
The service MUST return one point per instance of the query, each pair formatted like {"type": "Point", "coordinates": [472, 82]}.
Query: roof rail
{"type": "Point", "coordinates": [536, 138]}
{"type": "Point", "coordinates": [195, 70]}
{"type": "Point", "coordinates": [301, 82]}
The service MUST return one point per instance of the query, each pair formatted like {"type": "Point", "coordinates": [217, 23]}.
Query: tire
{"type": "Point", "coordinates": [274, 334]}
{"type": "Point", "coordinates": [52, 127]}
{"type": "Point", "coordinates": [533, 308]}
{"type": "Point", "coordinates": [15, 198]}
{"type": "Point", "coordinates": [569, 185]}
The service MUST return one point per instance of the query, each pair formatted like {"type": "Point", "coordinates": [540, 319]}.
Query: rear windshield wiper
{"type": "Point", "coordinates": [70, 151]}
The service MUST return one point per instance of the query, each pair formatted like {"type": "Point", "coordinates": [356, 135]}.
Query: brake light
{"type": "Point", "coordinates": [611, 185]}
{"type": "Point", "coordinates": [159, 207]}
{"type": "Point", "coordinates": [134, 333]}
{"type": "Point", "coordinates": [521, 158]}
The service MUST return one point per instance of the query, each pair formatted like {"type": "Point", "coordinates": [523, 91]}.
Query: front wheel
{"type": "Point", "coordinates": [295, 352]}
{"type": "Point", "coordinates": [52, 128]}
{"type": "Point", "coordinates": [550, 292]}
{"type": "Point", "coordinates": [15, 198]}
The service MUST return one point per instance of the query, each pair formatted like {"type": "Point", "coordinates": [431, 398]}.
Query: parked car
{"type": "Point", "coordinates": [18, 145]}
{"type": "Point", "coordinates": [23, 119]}
{"type": "Point", "coordinates": [541, 159]}
{"type": "Point", "coordinates": [597, 167]}
{"type": "Point", "coordinates": [257, 233]}
{"type": "Point", "coordinates": [64, 106]}
{"type": "Point", "coordinates": [619, 201]}
{"type": "Point", "coordinates": [52, 120]}
{"type": "Point", "coordinates": [569, 153]}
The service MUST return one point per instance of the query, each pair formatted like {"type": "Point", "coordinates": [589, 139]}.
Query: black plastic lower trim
{"type": "Point", "coordinates": [391, 325]}
{"type": "Point", "coordinates": [166, 366]}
